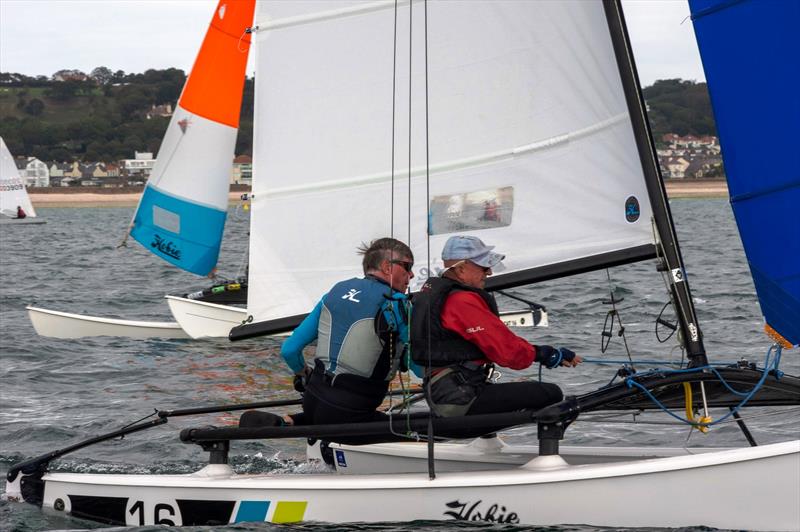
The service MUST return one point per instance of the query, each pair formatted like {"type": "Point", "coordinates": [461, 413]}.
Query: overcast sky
{"type": "Point", "coordinates": [43, 36]}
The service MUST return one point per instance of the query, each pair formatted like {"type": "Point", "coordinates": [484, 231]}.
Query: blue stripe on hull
{"type": "Point", "coordinates": [749, 51]}
{"type": "Point", "coordinates": [183, 233]}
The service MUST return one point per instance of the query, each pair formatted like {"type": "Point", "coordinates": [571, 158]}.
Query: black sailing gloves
{"type": "Point", "coordinates": [552, 357]}
{"type": "Point", "coordinates": [300, 380]}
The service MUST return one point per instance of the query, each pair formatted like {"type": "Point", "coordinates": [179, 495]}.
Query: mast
{"type": "Point", "coordinates": [671, 260]}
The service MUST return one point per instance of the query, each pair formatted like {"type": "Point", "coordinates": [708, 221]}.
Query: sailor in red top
{"type": "Point", "coordinates": [456, 331]}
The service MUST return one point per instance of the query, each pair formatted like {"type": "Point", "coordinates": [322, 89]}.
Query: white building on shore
{"type": "Point", "coordinates": [34, 172]}
{"type": "Point", "coordinates": [141, 165]}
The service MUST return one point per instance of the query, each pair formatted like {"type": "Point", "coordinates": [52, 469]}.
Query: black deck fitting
{"type": "Point", "coordinates": [549, 436]}
{"type": "Point", "coordinates": [218, 449]}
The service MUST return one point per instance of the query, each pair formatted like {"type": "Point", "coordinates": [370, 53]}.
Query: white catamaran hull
{"type": "Point", "coordinates": [754, 488]}
{"type": "Point", "coordinates": [481, 454]}
{"type": "Point", "coordinates": [205, 320]}
{"type": "Point", "coordinates": [55, 324]}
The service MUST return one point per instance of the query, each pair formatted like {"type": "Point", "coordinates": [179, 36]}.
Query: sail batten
{"type": "Point", "coordinates": [432, 171]}
{"type": "Point", "coordinates": [181, 216]}
{"type": "Point", "coordinates": [321, 16]}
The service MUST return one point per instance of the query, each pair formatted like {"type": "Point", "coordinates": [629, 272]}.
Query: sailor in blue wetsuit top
{"type": "Point", "coordinates": [360, 327]}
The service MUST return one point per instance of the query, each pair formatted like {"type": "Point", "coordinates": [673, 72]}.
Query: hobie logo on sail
{"type": "Point", "coordinates": [632, 210]}
{"type": "Point", "coordinates": [167, 248]}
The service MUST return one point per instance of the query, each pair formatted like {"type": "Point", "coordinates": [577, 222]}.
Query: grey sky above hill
{"type": "Point", "coordinates": [39, 37]}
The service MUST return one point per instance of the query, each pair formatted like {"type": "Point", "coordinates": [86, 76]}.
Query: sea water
{"type": "Point", "coordinates": [57, 392]}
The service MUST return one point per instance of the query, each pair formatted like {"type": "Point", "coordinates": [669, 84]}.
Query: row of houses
{"type": "Point", "coordinates": [690, 156]}
{"type": "Point", "coordinates": [126, 172]}
{"type": "Point", "coordinates": [680, 157]}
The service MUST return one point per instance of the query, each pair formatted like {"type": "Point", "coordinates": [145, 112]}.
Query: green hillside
{"type": "Point", "coordinates": [105, 119]}
{"type": "Point", "coordinates": [681, 107]}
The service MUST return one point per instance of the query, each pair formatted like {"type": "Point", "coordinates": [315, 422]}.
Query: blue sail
{"type": "Point", "coordinates": [751, 56]}
{"type": "Point", "coordinates": [183, 233]}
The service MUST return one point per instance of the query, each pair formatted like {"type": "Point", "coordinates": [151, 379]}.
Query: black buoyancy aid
{"type": "Point", "coordinates": [446, 347]}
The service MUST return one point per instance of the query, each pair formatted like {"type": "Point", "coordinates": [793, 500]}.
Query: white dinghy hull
{"type": "Point", "coordinates": [56, 324]}
{"type": "Point", "coordinates": [205, 320]}
{"type": "Point", "coordinates": [21, 221]}
{"type": "Point", "coordinates": [754, 488]}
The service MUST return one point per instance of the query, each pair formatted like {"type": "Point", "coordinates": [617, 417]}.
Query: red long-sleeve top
{"type": "Point", "coordinates": [468, 315]}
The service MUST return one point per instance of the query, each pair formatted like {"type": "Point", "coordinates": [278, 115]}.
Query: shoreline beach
{"type": "Point", "coordinates": [696, 188]}
{"type": "Point", "coordinates": [94, 199]}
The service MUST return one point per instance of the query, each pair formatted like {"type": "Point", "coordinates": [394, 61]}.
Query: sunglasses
{"type": "Point", "coordinates": [404, 264]}
{"type": "Point", "coordinates": [485, 269]}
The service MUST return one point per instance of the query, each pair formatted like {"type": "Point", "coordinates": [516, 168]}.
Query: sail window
{"type": "Point", "coordinates": [167, 220]}
{"type": "Point", "coordinates": [470, 211]}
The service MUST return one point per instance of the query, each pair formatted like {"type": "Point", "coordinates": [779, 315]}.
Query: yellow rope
{"type": "Point", "coordinates": [700, 423]}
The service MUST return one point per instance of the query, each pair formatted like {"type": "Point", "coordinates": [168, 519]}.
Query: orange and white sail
{"type": "Point", "coordinates": [181, 215]}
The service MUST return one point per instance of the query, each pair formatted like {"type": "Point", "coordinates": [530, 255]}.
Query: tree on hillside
{"type": "Point", "coordinates": [34, 107]}
{"type": "Point", "coordinates": [63, 91]}
{"type": "Point", "coordinates": [679, 106]}
{"type": "Point", "coordinates": [95, 151]}
{"type": "Point", "coordinates": [102, 75]}
{"type": "Point", "coordinates": [132, 100]}
{"type": "Point", "coordinates": [69, 74]}
{"type": "Point", "coordinates": [60, 154]}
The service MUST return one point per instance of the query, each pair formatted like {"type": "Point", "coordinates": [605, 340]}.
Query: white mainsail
{"type": "Point", "coordinates": [12, 187]}
{"type": "Point", "coordinates": [531, 144]}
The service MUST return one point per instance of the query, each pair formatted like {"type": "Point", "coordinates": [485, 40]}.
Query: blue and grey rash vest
{"type": "Point", "coordinates": [349, 341]}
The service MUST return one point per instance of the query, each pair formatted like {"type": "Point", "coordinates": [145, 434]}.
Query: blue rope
{"type": "Point", "coordinates": [768, 366]}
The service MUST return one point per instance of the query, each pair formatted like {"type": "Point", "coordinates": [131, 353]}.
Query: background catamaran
{"type": "Point", "coordinates": [556, 118]}
{"type": "Point", "coordinates": [13, 193]}
{"type": "Point", "coordinates": [181, 215]}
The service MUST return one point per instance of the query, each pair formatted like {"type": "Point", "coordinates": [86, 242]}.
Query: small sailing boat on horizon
{"type": "Point", "coordinates": [15, 205]}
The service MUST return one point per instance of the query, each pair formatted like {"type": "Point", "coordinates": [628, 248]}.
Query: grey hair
{"type": "Point", "coordinates": [382, 249]}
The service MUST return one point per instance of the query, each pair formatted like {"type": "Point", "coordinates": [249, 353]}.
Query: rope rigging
{"type": "Point", "coordinates": [771, 364]}
{"type": "Point", "coordinates": [612, 316]}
